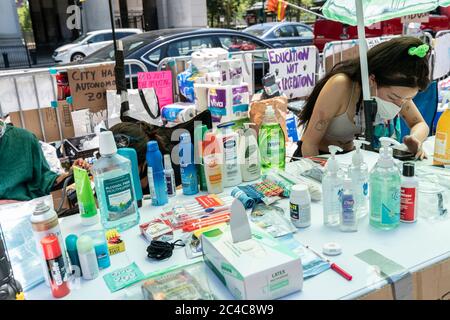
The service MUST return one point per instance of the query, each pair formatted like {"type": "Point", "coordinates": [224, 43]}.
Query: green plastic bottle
{"type": "Point", "coordinates": [199, 136]}
{"type": "Point", "coordinates": [272, 142]}
{"type": "Point", "coordinates": [385, 184]}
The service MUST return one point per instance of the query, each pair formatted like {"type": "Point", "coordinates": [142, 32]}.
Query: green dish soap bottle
{"type": "Point", "coordinates": [114, 187]}
{"type": "Point", "coordinates": [384, 185]}
{"type": "Point", "coordinates": [272, 142]}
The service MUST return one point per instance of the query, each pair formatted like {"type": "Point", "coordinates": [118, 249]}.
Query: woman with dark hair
{"type": "Point", "coordinates": [333, 114]}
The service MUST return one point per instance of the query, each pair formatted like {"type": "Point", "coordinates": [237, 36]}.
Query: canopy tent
{"type": "Point", "coordinates": [366, 12]}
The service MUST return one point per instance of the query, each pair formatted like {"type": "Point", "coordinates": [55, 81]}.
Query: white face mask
{"type": "Point", "coordinates": [386, 110]}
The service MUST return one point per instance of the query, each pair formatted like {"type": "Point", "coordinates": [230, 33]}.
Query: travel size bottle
{"type": "Point", "coordinates": [359, 174]}
{"type": "Point", "coordinates": [249, 156]}
{"type": "Point", "coordinates": [155, 174]}
{"type": "Point", "coordinates": [187, 166]}
{"type": "Point", "coordinates": [169, 175]}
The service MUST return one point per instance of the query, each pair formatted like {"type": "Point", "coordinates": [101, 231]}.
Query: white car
{"type": "Point", "coordinates": [89, 43]}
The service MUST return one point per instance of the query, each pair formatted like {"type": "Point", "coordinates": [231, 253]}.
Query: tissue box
{"type": "Point", "coordinates": [228, 102]}
{"type": "Point", "coordinates": [258, 268]}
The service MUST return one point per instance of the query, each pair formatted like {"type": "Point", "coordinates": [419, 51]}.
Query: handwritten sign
{"type": "Point", "coordinates": [161, 81]}
{"type": "Point", "coordinates": [419, 18]}
{"type": "Point", "coordinates": [88, 86]}
{"type": "Point", "coordinates": [295, 69]}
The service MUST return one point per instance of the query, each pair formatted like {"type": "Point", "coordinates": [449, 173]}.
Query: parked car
{"type": "Point", "coordinates": [283, 34]}
{"type": "Point", "coordinates": [89, 43]}
{"type": "Point", "coordinates": [153, 46]}
{"type": "Point", "coordinates": [327, 30]}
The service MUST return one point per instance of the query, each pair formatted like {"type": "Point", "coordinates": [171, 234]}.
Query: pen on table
{"type": "Point", "coordinates": [333, 266]}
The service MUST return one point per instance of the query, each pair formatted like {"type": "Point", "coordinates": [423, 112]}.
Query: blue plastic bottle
{"type": "Point", "coordinates": [187, 165]}
{"type": "Point", "coordinates": [155, 173]}
{"type": "Point", "coordinates": [131, 155]}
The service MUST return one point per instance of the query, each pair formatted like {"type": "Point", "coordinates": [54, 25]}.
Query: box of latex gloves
{"type": "Point", "coordinates": [227, 102]}
{"type": "Point", "coordinates": [258, 267]}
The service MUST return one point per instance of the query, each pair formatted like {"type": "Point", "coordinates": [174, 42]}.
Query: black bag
{"type": "Point", "coordinates": [163, 136]}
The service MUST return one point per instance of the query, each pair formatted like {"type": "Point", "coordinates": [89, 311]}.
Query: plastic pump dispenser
{"type": "Point", "coordinates": [385, 186]}
{"type": "Point", "coordinates": [332, 185]}
{"type": "Point", "coordinates": [359, 174]}
{"type": "Point", "coordinates": [332, 164]}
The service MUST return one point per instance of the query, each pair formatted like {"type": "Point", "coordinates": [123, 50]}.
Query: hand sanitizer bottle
{"type": "Point", "coordinates": [114, 186]}
{"type": "Point", "coordinates": [349, 218]}
{"type": "Point", "coordinates": [385, 184]}
{"type": "Point", "coordinates": [332, 184]}
{"type": "Point", "coordinates": [249, 157]}
{"type": "Point", "coordinates": [359, 174]}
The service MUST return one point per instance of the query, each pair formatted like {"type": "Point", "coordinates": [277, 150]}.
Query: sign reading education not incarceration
{"type": "Point", "coordinates": [88, 86]}
{"type": "Point", "coordinates": [295, 70]}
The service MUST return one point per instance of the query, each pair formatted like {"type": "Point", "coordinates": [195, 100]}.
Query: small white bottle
{"type": "Point", "coordinates": [87, 257]}
{"type": "Point", "coordinates": [349, 219]}
{"type": "Point", "coordinates": [359, 173]}
{"type": "Point", "coordinates": [249, 156]}
{"type": "Point", "coordinates": [169, 176]}
{"type": "Point", "coordinates": [331, 190]}
{"type": "Point", "coordinates": [231, 168]}
{"type": "Point", "coordinates": [300, 206]}
{"type": "Point", "coordinates": [409, 196]}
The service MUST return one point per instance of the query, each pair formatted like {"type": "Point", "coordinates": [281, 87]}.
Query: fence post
{"type": "Point", "coordinates": [28, 55]}
{"type": "Point", "coordinates": [5, 59]}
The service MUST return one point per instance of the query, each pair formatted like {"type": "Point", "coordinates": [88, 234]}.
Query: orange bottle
{"type": "Point", "coordinates": [442, 143]}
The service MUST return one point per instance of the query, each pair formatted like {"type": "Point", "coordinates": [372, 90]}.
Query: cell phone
{"type": "Point", "coordinates": [403, 155]}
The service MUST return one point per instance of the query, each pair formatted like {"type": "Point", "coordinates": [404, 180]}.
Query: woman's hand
{"type": "Point", "coordinates": [82, 164]}
{"type": "Point", "coordinates": [415, 146]}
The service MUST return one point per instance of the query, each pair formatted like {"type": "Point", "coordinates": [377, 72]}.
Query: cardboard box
{"type": "Point", "coordinates": [431, 283]}
{"type": "Point", "coordinates": [257, 268]}
{"type": "Point", "coordinates": [49, 122]}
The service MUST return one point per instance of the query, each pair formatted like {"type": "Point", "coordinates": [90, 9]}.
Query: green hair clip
{"type": "Point", "coordinates": [420, 51]}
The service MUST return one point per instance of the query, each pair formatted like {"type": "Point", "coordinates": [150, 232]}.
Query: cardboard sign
{"type": "Point", "coordinates": [49, 122]}
{"type": "Point", "coordinates": [88, 86]}
{"type": "Point", "coordinates": [419, 18]}
{"type": "Point", "coordinates": [161, 81]}
{"type": "Point", "coordinates": [295, 69]}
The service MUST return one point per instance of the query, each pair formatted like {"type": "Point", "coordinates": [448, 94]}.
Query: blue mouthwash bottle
{"type": "Point", "coordinates": [155, 174]}
{"type": "Point", "coordinates": [385, 184]}
{"type": "Point", "coordinates": [187, 166]}
{"type": "Point", "coordinates": [114, 186]}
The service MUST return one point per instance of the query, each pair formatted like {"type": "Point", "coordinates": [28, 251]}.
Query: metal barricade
{"type": "Point", "coordinates": [442, 55]}
{"type": "Point", "coordinates": [42, 77]}
{"type": "Point", "coordinates": [259, 62]}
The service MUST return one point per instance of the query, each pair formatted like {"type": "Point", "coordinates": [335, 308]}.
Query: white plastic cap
{"type": "Point", "coordinates": [107, 143]}
{"type": "Point", "coordinates": [386, 152]}
{"type": "Point", "coordinates": [300, 191]}
{"type": "Point", "coordinates": [167, 162]}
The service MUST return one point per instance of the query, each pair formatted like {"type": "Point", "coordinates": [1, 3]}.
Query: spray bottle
{"type": "Point", "coordinates": [332, 185]}
{"type": "Point", "coordinates": [155, 173]}
{"type": "Point", "coordinates": [384, 184]}
{"type": "Point", "coordinates": [250, 158]}
{"type": "Point", "coordinates": [169, 175]}
{"type": "Point", "coordinates": [359, 174]}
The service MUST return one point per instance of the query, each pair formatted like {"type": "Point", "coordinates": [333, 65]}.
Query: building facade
{"type": "Point", "coordinates": [49, 18]}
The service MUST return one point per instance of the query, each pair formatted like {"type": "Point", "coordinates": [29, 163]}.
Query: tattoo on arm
{"type": "Point", "coordinates": [321, 125]}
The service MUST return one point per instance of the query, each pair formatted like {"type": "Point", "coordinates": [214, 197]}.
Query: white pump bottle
{"type": "Point", "coordinates": [359, 174]}
{"type": "Point", "coordinates": [332, 185]}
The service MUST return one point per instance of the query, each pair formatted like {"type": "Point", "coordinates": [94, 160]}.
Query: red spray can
{"type": "Point", "coordinates": [56, 267]}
